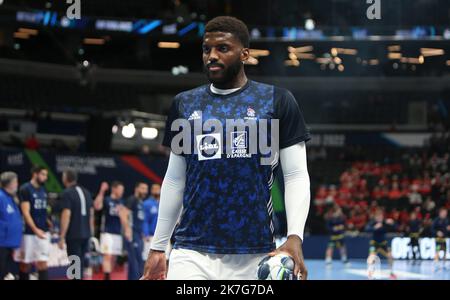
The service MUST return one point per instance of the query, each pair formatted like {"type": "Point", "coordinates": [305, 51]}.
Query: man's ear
{"type": "Point", "coordinates": [245, 54]}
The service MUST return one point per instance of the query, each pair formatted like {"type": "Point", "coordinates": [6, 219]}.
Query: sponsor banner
{"type": "Point", "coordinates": [92, 169]}
{"type": "Point", "coordinates": [400, 140]}
{"type": "Point", "coordinates": [401, 248]}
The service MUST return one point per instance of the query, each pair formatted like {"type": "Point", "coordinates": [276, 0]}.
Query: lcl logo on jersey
{"type": "Point", "coordinates": [209, 146]}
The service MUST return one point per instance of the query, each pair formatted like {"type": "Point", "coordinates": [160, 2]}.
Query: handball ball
{"type": "Point", "coordinates": [278, 267]}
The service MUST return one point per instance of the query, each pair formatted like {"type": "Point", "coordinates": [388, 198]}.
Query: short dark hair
{"type": "Point", "coordinates": [116, 183]}
{"type": "Point", "coordinates": [139, 183]}
{"type": "Point", "coordinates": [36, 169]}
{"type": "Point", "coordinates": [231, 25]}
{"type": "Point", "coordinates": [71, 175]}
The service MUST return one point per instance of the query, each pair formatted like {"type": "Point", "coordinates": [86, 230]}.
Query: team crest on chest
{"type": "Point", "coordinates": [251, 114]}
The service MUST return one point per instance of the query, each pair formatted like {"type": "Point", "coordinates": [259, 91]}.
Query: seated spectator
{"type": "Point", "coordinates": [414, 197]}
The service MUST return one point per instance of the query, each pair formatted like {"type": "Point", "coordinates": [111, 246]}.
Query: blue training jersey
{"type": "Point", "coordinates": [150, 206]}
{"type": "Point", "coordinates": [440, 225]}
{"type": "Point", "coordinates": [38, 205]}
{"type": "Point", "coordinates": [111, 221]}
{"type": "Point", "coordinates": [136, 207]}
{"type": "Point", "coordinates": [227, 203]}
{"type": "Point", "coordinates": [333, 223]}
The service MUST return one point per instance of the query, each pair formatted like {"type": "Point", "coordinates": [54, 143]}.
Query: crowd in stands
{"type": "Point", "coordinates": [417, 180]}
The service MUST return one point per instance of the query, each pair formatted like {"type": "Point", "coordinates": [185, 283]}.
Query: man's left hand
{"type": "Point", "coordinates": [293, 248]}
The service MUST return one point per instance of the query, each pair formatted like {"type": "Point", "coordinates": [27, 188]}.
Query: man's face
{"type": "Point", "coordinates": [443, 214]}
{"type": "Point", "coordinates": [142, 190]}
{"type": "Point", "coordinates": [41, 177]}
{"type": "Point", "coordinates": [118, 191]}
{"type": "Point", "coordinates": [155, 191]}
{"type": "Point", "coordinates": [379, 217]}
{"type": "Point", "coordinates": [14, 185]}
{"type": "Point", "coordinates": [223, 55]}
{"type": "Point", "coordinates": [64, 179]}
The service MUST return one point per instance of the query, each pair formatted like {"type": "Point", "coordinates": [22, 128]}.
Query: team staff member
{"type": "Point", "coordinates": [132, 221]}
{"type": "Point", "coordinates": [111, 229]}
{"type": "Point", "coordinates": [10, 221]}
{"type": "Point", "coordinates": [77, 218]}
{"type": "Point", "coordinates": [36, 239]}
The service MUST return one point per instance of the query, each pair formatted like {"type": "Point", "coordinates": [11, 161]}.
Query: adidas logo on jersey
{"type": "Point", "coordinates": [195, 115]}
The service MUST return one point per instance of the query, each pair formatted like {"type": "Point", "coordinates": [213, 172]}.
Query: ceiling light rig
{"type": "Point", "coordinates": [296, 54]}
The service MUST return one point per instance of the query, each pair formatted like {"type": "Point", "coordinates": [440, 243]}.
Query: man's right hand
{"type": "Point", "coordinates": [128, 234]}
{"type": "Point", "coordinates": [104, 187]}
{"type": "Point", "coordinates": [40, 233]}
{"type": "Point", "coordinates": [155, 266]}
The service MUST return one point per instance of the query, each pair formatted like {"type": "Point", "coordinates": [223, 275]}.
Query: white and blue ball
{"type": "Point", "coordinates": [278, 267]}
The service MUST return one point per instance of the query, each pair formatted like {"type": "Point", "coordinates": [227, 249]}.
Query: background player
{"type": "Point", "coordinates": [132, 219]}
{"type": "Point", "coordinates": [379, 243]}
{"type": "Point", "coordinates": [440, 228]}
{"type": "Point", "coordinates": [226, 225]}
{"type": "Point", "coordinates": [77, 218]}
{"type": "Point", "coordinates": [414, 229]}
{"type": "Point", "coordinates": [151, 206]}
{"type": "Point", "coordinates": [111, 229]}
{"type": "Point", "coordinates": [336, 227]}
{"type": "Point", "coordinates": [35, 246]}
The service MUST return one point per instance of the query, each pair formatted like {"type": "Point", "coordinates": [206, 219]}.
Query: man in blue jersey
{"type": "Point", "coordinates": [414, 229]}
{"type": "Point", "coordinates": [219, 185]}
{"type": "Point", "coordinates": [379, 243]}
{"type": "Point", "coordinates": [440, 229]}
{"type": "Point", "coordinates": [111, 229]}
{"type": "Point", "coordinates": [336, 227]}
{"type": "Point", "coordinates": [151, 206]}
{"type": "Point", "coordinates": [77, 220]}
{"type": "Point", "coordinates": [10, 221]}
{"type": "Point", "coordinates": [132, 219]}
{"type": "Point", "coordinates": [35, 246]}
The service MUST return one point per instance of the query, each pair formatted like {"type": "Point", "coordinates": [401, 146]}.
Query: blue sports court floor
{"type": "Point", "coordinates": [357, 270]}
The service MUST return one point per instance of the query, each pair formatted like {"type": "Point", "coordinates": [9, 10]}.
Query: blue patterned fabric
{"type": "Point", "coordinates": [227, 204]}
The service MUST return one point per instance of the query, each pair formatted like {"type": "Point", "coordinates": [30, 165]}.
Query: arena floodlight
{"type": "Point", "coordinates": [149, 133]}
{"type": "Point", "coordinates": [128, 131]}
{"type": "Point", "coordinates": [169, 45]}
{"type": "Point", "coordinates": [115, 129]}
{"type": "Point", "coordinates": [310, 24]}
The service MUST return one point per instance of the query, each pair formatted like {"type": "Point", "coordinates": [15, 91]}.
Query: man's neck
{"type": "Point", "coordinates": [221, 91]}
{"type": "Point", "coordinates": [239, 81]}
{"type": "Point", "coordinates": [72, 184]}
{"type": "Point", "coordinates": [9, 191]}
{"type": "Point", "coordinates": [35, 183]}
